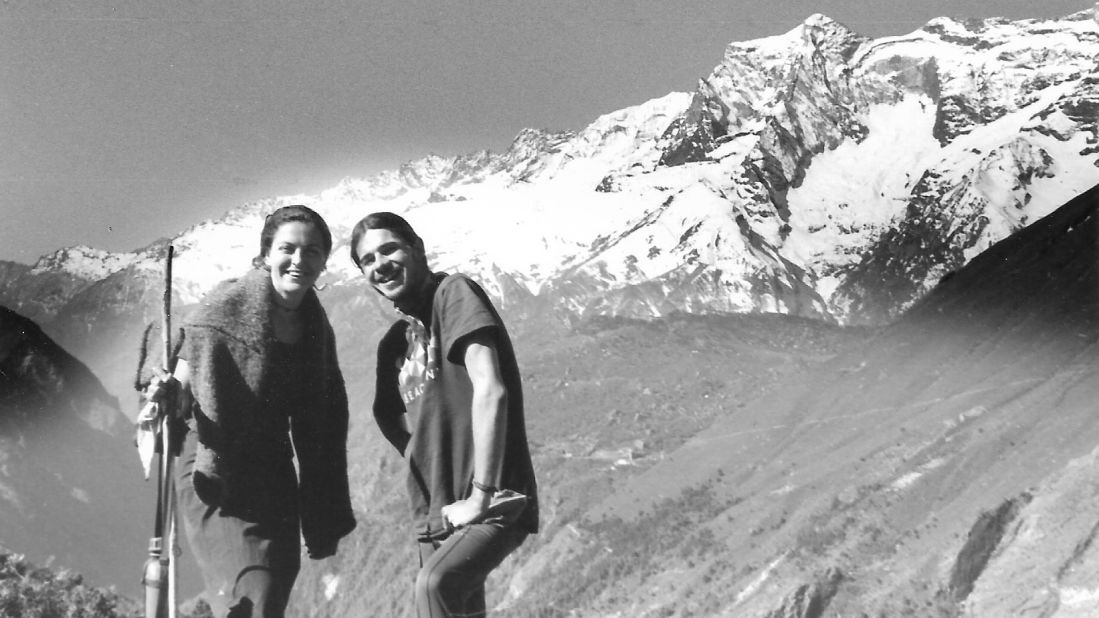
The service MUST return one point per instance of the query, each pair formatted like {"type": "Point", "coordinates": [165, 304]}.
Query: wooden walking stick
{"type": "Point", "coordinates": [156, 419]}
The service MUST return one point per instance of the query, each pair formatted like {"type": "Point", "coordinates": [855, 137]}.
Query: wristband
{"type": "Point", "coordinates": [488, 489]}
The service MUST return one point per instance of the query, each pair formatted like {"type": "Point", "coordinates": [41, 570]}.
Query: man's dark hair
{"type": "Point", "coordinates": [286, 214]}
{"type": "Point", "coordinates": [382, 221]}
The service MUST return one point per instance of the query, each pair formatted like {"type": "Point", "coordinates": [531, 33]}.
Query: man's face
{"type": "Point", "coordinates": [396, 269]}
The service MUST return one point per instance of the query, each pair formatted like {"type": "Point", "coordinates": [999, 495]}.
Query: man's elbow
{"type": "Point", "coordinates": [493, 395]}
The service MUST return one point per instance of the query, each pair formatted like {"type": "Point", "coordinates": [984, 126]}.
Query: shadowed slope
{"type": "Point", "coordinates": [70, 482]}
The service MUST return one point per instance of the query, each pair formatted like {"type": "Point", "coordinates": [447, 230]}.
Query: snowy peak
{"type": "Point", "coordinates": [85, 262]}
{"type": "Point", "coordinates": [827, 37]}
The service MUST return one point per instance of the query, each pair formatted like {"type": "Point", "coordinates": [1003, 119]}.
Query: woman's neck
{"type": "Point", "coordinates": [286, 318]}
{"type": "Point", "coordinates": [287, 303]}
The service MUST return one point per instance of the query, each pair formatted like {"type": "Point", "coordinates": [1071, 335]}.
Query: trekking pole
{"type": "Point", "coordinates": [160, 565]}
{"type": "Point", "coordinates": [168, 456]}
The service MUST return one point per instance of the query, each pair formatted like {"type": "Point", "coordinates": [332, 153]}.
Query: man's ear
{"type": "Point", "coordinates": [418, 247]}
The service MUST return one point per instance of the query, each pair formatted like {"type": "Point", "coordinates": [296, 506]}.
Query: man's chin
{"type": "Point", "coordinates": [395, 295]}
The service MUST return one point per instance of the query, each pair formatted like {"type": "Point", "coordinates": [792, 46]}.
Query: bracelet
{"type": "Point", "coordinates": [488, 489]}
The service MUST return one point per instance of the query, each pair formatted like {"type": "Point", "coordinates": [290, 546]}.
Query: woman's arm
{"type": "Point", "coordinates": [389, 408]}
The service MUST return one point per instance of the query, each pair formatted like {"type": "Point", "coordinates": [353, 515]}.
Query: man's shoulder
{"type": "Point", "coordinates": [450, 280]}
{"type": "Point", "coordinates": [459, 284]}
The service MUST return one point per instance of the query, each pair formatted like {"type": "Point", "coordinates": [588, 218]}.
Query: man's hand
{"type": "Point", "coordinates": [465, 512]}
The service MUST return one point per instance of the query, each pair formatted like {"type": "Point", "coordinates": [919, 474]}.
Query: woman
{"type": "Point", "coordinates": [259, 382]}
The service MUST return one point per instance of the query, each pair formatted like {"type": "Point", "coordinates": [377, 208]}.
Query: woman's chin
{"type": "Point", "coordinates": [294, 286]}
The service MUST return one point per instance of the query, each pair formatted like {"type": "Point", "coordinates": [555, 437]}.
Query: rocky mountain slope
{"type": "Point", "coordinates": [770, 466]}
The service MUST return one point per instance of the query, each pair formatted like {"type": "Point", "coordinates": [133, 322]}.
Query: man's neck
{"type": "Point", "coordinates": [419, 305]}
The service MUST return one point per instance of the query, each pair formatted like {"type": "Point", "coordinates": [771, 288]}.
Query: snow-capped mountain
{"type": "Point", "coordinates": [818, 173]}
{"type": "Point", "coordinates": [85, 262]}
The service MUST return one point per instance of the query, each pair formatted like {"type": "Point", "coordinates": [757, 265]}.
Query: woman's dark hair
{"type": "Point", "coordinates": [287, 214]}
{"type": "Point", "coordinates": [382, 221]}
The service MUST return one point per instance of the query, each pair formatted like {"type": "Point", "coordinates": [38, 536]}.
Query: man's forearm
{"type": "Point", "coordinates": [489, 413]}
{"type": "Point", "coordinates": [489, 428]}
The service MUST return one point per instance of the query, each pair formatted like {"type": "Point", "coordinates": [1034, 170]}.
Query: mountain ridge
{"type": "Point", "coordinates": [775, 166]}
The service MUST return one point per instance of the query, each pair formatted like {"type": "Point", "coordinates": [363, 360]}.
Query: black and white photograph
{"type": "Point", "coordinates": [612, 309]}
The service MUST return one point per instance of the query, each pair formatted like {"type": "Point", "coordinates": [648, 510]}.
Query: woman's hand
{"type": "Point", "coordinates": [161, 388]}
{"type": "Point", "coordinates": [167, 389]}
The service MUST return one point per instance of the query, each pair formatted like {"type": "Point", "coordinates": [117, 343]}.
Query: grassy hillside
{"type": "Point", "coordinates": [607, 400]}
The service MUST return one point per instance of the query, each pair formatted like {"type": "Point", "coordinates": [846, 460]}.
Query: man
{"type": "Point", "coordinates": [449, 399]}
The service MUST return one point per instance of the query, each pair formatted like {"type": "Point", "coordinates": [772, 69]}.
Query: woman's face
{"type": "Point", "coordinates": [296, 259]}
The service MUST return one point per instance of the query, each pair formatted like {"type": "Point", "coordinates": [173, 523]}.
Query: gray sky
{"type": "Point", "coordinates": [123, 122]}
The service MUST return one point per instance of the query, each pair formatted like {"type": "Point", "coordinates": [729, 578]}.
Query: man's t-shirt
{"type": "Point", "coordinates": [421, 371]}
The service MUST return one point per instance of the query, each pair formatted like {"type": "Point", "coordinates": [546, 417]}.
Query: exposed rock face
{"type": "Point", "coordinates": [1045, 559]}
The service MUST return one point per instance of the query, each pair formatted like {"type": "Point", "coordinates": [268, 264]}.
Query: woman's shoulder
{"type": "Point", "coordinates": [233, 303]}
{"type": "Point", "coordinates": [393, 343]}
{"type": "Point", "coordinates": [395, 332]}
